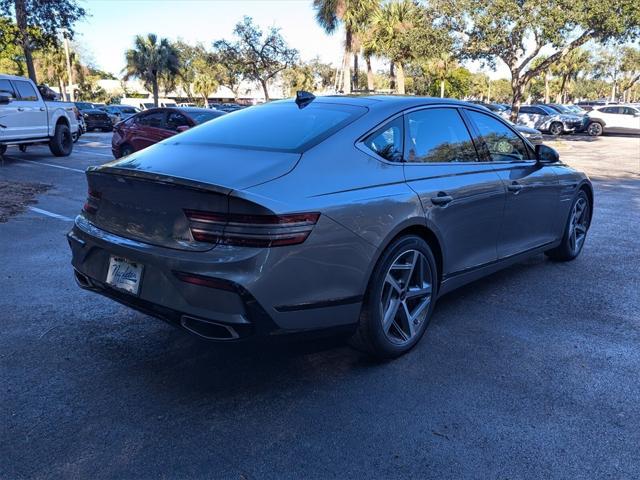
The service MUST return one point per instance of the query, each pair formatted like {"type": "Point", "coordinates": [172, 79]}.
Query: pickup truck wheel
{"type": "Point", "coordinates": [3, 149]}
{"type": "Point", "coordinates": [61, 144]}
{"type": "Point", "coordinates": [22, 148]}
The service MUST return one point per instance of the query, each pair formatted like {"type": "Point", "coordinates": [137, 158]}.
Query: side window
{"type": "Point", "coordinates": [438, 135]}
{"type": "Point", "coordinates": [629, 111]}
{"type": "Point", "coordinates": [153, 119]}
{"type": "Point", "coordinates": [503, 144]}
{"type": "Point", "coordinates": [26, 91]}
{"type": "Point", "coordinates": [175, 120]}
{"type": "Point", "coordinates": [538, 111]}
{"type": "Point", "coordinates": [7, 88]}
{"type": "Point", "coordinates": [526, 110]}
{"type": "Point", "coordinates": [387, 141]}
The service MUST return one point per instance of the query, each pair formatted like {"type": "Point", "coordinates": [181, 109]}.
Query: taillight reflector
{"type": "Point", "coordinates": [251, 230]}
{"type": "Point", "coordinates": [91, 205]}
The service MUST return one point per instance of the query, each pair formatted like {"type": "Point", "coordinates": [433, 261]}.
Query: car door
{"type": "Point", "coordinates": [528, 117]}
{"type": "Point", "coordinates": [32, 113]}
{"type": "Point", "coordinates": [148, 129]}
{"type": "Point", "coordinates": [630, 119]}
{"type": "Point", "coordinates": [610, 117]}
{"type": "Point", "coordinates": [9, 115]}
{"type": "Point", "coordinates": [533, 191]}
{"type": "Point", "coordinates": [462, 196]}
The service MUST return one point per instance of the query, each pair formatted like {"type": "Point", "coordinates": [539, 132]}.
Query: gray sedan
{"type": "Point", "coordinates": [349, 214]}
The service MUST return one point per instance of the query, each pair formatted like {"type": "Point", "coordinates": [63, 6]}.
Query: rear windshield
{"type": "Point", "coordinates": [280, 126]}
{"type": "Point", "coordinates": [203, 116]}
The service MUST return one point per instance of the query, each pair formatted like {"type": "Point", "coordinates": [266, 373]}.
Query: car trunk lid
{"type": "Point", "coordinates": [144, 196]}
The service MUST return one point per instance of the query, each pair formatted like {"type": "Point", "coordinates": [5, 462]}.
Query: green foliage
{"type": "Point", "coordinates": [154, 61]}
{"type": "Point", "coordinates": [516, 31]}
{"type": "Point", "coordinates": [259, 56]}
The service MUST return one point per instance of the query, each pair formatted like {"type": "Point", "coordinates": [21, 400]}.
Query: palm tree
{"type": "Point", "coordinates": [204, 85]}
{"type": "Point", "coordinates": [568, 68]}
{"type": "Point", "coordinates": [392, 36]}
{"type": "Point", "coordinates": [152, 60]}
{"type": "Point", "coordinates": [354, 15]}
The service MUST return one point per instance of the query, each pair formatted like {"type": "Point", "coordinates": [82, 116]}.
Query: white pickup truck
{"type": "Point", "coordinates": [26, 118]}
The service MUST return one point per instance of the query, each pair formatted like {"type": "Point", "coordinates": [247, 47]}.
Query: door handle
{"type": "Point", "coordinates": [441, 199]}
{"type": "Point", "coordinates": [21, 109]}
{"type": "Point", "coordinates": [515, 187]}
{"type": "Point", "coordinates": [42, 109]}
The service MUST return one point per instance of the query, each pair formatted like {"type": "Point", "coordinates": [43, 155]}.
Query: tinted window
{"type": "Point", "coordinates": [175, 120]}
{"type": "Point", "coordinates": [610, 110]}
{"type": "Point", "coordinates": [629, 111]}
{"type": "Point", "coordinates": [154, 119]}
{"type": "Point", "coordinates": [26, 91]}
{"type": "Point", "coordinates": [84, 106]}
{"type": "Point", "coordinates": [280, 126]}
{"type": "Point", "coordinates": [7, 88]}
{"type": "Point", "coordinates": [503, 144]}
{"type": "Point", "coordinates": [387, 141]}
{"type": "Point", "coordinates": [526, 110]}
{"type": "Point", "coordinates": [438, 135]}
{"type": "Point", "coordinates": [201, 117]}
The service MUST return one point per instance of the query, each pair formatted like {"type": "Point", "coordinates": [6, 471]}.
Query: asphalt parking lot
{"type": "Point", "coordinates": [530, 373]}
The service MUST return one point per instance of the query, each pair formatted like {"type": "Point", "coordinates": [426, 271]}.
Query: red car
{"type": "Point", "coordinates": [154, 125]}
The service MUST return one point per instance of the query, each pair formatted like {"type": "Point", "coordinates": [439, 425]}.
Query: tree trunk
{"type": "Point", "coordinates": [392, 76]}
{"type": "Point", "coordinates": [488, 91]}
{"type": "Point", "coordinates": [356, 83]}
{"type": "Point", "coordinates": [563, 87]}
{"type": "Point", "coordinates": [400, 78]}
{"type": "Point", "coordinates": [71, 98]}
{"type": "Point", "coordinates": [516, 98]}
{"type": "Point", "coordinates": [346, 74]}
{"type": "Point", "coordinates": [25, 41]}
{"type": "Point", "coordinates": [154, 86]}
{"type": "Point", "coordinates": [265, 90]}
{"type": "Point", "coordinates": [441, 88]}
{"type": "Point", "coordinates": [370, 80]}
{"type": "Point", "coordinates": [547, 93]}
{"type": "Point", "coordinates": [206, 100]}
{"type": "Point", "coordinates": [63, 90]}
{"type": "Point", "coordinates": [613, 91]}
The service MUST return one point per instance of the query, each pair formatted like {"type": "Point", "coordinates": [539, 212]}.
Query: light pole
{"type": "Point", "coordinates": [71, 94]}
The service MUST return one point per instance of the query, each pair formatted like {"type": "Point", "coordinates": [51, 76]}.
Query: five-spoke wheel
{"type": "Point", "coordinates": [400, 298]}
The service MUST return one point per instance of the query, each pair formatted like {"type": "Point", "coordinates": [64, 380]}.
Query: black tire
{"type": "Point", "coordinates": [125, 150]}
{"type": "Point", "coordinates": [595, 129]}
{"type": "Point", "coordinates": [567, 251]}
{"type": "Point", "coordinates": [370, 335]}
{"type": "Point", "coordinates": [22, 148]}
{"type": "Point", "coordinates": [3, 149]}
{"type": "Point", "coordinates": [61, 144]}
{"type": "Point", "coordinates": [556, 128]}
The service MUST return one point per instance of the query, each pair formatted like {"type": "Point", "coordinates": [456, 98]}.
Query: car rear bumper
{"type": "Point", "coordinates": [237, 308]}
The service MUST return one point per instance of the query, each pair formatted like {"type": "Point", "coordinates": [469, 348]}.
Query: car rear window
{"type": "Point", "coordinates": [278, 126]}
{"type": "Point", "coordinates": [201, 117]}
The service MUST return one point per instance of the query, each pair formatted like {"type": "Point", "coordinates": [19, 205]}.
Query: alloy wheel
{"type": "Point", "coordinates": [406, 295]}
{"type": "Point", "coordinates": [579, 225]}
{"type": "Point", "coordinates": [594, 129]}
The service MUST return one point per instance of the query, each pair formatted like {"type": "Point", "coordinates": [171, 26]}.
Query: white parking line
{"type": "Point", "coordinates": [94, 153]}
{"type": "Point", "coordinates": [48, 164]}
{"type": "Point", "coordinates": [51, 214]}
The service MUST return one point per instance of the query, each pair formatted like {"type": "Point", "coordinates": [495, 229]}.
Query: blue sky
{"type": "Point", "coordinates": [111, 25]}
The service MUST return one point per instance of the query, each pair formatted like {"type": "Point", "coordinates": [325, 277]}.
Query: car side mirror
{"type": "Point", "coordinates": [5, 99]}
{"type": "Point", "coordinates": [182, 128]}
{"type": "Point", "coordinates": [546, 154]}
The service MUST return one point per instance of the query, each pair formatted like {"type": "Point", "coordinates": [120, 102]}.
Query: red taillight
{"type": "Point", "coordinates": [251, 230]}
{"type": "Point", "coordinates": [204, 281]}
{"type": "Point", "coordinates": [91, 205]}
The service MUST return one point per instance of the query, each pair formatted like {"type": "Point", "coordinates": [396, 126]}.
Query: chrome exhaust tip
{"type": "Point", "coordinates": [208, 329]}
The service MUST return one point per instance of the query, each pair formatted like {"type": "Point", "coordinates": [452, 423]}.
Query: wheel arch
{"type": "Point", "coordinates": [420, 228]}
{"type": "Point", "coordinates": [587, 188]}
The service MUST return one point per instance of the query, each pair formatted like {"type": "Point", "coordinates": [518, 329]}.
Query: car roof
{"type": "Point", "coordinates": [383, 101]}
{"type": "Point", "coordinates": [193, 109]}
{"type": "Point", "coordinates": [4, 76]}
